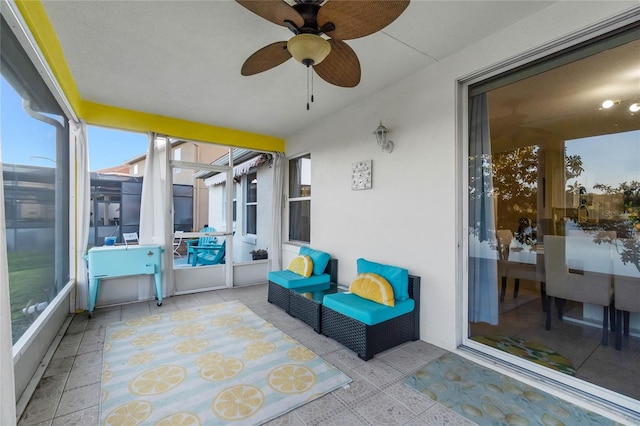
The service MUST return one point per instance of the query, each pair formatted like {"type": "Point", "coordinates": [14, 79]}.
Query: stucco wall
{"type": "Point", "coordinates": [411, 217]}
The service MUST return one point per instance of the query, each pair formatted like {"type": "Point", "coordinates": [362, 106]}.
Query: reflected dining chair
{"type": "Point", "coordinates": [626, 293]}
{"type": "Point", "coordinates": [627, 300]}
{"type": "Point", "coordinates": [517, 270]}
{"type": "Point", "coordinates": [580, 286]}
{"type": "Point", "coordinates": [503, 239]}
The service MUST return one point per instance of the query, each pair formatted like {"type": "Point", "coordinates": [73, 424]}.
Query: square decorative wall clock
{"type": "Point", "coordinates": [361, 175]}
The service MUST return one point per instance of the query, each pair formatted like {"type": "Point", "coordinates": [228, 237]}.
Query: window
{"type": "Point", "coordinates": [251, 203]}
{"type": "Point", "coordinates": [35, 167]}
{"type": "Point", "coordinates": [177, 156]}
{"type": "Point", "coordinates": [182, 207]}
{"type": "Point", "coordinates": [554, 196]}
{"type": "Point", "coordinates": [234, 200]}
{"type": "Point", "coordinates": [300, 199]}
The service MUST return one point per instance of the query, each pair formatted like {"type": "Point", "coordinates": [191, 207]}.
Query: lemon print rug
{"type": "Point", "coordinates": [217, 364]}
{"type": "Point", "coordinates": [487, 397]}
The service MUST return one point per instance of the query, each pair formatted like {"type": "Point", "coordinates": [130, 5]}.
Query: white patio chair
{"type": "Point", "coordinates": [177, 242]}
{"type": "Point", "coordinates": [130, 237]}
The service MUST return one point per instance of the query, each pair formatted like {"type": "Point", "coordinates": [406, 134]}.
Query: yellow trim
{"type": "Point", "coordinates": [45, 36]}
{"type": "Point", "coordinates": [136, 121]}
{"type": "Point", "coordinates": [37, 20]}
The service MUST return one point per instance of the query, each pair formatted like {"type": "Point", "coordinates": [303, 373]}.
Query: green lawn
{"type": "Point", "coordinates": [31, 280]}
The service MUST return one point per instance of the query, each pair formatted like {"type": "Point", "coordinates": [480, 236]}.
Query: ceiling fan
{"type": "Point", "coordinates": [331, 58]}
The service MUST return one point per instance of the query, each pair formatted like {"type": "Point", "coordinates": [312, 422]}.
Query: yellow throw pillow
{"type": "Point", "coordinates": [373, 287]}
{"type": "Point", "coordinates": [301, 265]}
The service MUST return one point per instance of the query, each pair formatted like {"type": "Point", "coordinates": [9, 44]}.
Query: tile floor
{"type": "Point", "coordinates": [601, 365]}
{"type": "Point", "coordinates": [69, 392]}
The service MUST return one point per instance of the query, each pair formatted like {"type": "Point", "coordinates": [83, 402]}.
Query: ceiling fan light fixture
{"type": "Point", "coordinates": [308, 49]}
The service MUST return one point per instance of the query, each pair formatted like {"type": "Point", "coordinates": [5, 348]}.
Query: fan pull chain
{"type": "Point", "coordinates": [309, 86]}
{"type": "Point", "coordinates": [308, 97]}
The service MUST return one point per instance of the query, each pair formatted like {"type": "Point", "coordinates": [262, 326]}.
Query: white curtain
{"type": "Point", "coordinates": [8, 388]}
{"type": "Point", "coordinates": [83, 202]}
{"type": "Point", "coordinates": [275, 242]}
{"type": "Point", "coordinates": [156, 216]}
{"type": "Point", "coordinates": [483, 269]}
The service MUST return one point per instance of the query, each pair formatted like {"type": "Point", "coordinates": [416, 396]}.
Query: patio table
{"type": "Point", "coordinates": [307, 307]}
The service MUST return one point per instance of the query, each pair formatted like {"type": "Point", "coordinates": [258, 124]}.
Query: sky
{"type": "Point", "coordinates": [615, 157]}
{"type": "Point", "coordinates": [26, 141]}
{"type": "Point", "coordinates": [31, 142]}
{"type": "Point", "coordinates": [109, 147]}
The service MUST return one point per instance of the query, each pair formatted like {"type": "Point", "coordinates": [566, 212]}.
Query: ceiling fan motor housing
{"type": "Point", "coordinates": [309, 13]}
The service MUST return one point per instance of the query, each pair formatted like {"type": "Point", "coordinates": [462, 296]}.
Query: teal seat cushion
{"type": "Point", "coordinates": [397, 277]}
{"type": "Point", "coordinates": [292, 281]}
{"type": "Point", "coordinates": [320, 259]}
{"type": "Point", "coordinates": [366, 311]}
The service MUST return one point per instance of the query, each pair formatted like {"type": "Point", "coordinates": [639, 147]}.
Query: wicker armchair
{"type": "Point", "coordinates": [368, 340]}
{"type": "Point", "coordinates": [280, 296]}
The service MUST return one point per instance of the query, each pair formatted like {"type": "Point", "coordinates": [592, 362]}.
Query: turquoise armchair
{"type": "Point", "coordinates": [209, 255]}
{"type": "Point", "coordinates": [205, 241]}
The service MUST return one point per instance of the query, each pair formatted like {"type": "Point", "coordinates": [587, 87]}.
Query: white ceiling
{"type": "Point", "coordinates": [182, 58]}
{"type": "Point", "coordinates": [566, 103]}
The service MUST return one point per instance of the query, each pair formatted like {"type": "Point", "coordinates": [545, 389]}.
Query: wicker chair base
{"type": "Point", "coordinates": [279, 296]}
{"type": "Point", "coordinates": [368, 340]}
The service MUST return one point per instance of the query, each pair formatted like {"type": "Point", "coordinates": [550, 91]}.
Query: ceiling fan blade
{"type": "Point", "coordinates": [276, 11]}
{"type": "Point", "coordinates": [354, 19]}
{"type": "Point", "coordinates": [341, 67]}
{"type": "Point", "coordinates": [266, 58]}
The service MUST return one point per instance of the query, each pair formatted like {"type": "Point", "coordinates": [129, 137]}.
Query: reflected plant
{"type": "Point", "coordinates": [259, 254]}
{"type": "Point", "coordinates": [515, 174]}
{"type": "Point", "coordinates": [633, 216]}
{"type": "Point", "coordinates": [629, 251]}
{"type": "Point", "coordinates": [627, 248]}
{"type": "Point", "coordinates": [631, 246]}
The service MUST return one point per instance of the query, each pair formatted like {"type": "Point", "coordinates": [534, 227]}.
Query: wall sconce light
{"type": "Point", "coordinates": [381, 136]}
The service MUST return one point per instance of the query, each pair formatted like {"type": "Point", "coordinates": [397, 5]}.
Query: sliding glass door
{"type": "Point", "coordinates": [553, 230]}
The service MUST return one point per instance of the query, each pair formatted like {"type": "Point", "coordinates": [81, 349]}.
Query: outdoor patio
{"type": "Point", "coordinates": [69, 392]}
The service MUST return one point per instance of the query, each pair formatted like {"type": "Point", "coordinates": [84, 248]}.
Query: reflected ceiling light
{"type": "Point", "coordinates": [634, 105]}
{"type": "Point", "coordinates": [607, 104]}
